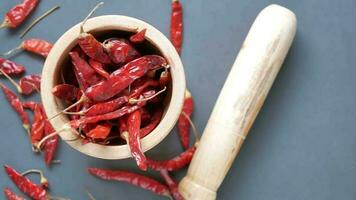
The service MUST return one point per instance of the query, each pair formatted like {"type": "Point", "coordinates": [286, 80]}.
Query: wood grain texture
{"type": "Point", "coordinates": [240, 100]}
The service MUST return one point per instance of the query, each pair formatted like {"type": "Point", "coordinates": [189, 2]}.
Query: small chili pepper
{"type": "Point", "coordinates": [172, 185]}
{"type": "Point", "coordinates": [120, 51]}
{"type": "Point", "coordinates": [37, 46]}
{"type": "Point", "coordinates": [30, 83]}
{"type": "Point", "coordinates": [38, 125]}
{"type": "Point", "coordinates": [173, 164]}
{"type": "Point", "coordinates": [101, 131]}
{"type": "Point", "coordinates": [138, 37]}
{"type": "Point", "coordinates": [99, 68]}
{"type": "Point", "coordinates": [176, 29]}
{"type": "Point", "coordinates": [43, 180]}
{"type": "Point", "coordinates": [156, 118]}
{"type": "Point", "coordinates": [50, 146]}
{"type": "Point", "coordinates": [16, 15]}
{"type": "Point", "coordinates": [141, 181]}
{"type": "Point", "coordinates": [11, 68]}
{"type": "Point", "coordinates": [17, 106]}
{"type": "Point", "coordinates": [30, 105]}
{"type": "Point", "coordinates": [25, 185]}
{"type": "Point", "coordinates": [133, 139]}
{"type": "Point", "coordinates": [65, 92]}
{"type": "Point", "coordinates": [183, 122]}
{"type": "Point", "coordinates": [10, 195]}
{"type": "Point", "coordinates": [123, 77]}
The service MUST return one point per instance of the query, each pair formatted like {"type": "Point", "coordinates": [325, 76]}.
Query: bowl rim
{"type": "Point", "coordinates": [121, 23]}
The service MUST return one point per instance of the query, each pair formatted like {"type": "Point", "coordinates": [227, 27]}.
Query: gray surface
{"type": "Point", "coordinates": [303, 142]}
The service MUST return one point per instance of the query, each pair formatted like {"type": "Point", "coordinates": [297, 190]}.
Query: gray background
{"type": "Point", "coordinates": [303, 142]}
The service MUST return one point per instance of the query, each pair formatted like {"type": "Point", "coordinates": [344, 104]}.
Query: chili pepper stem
{"type": "Point", "coordinates": [43, 179]}
{"type": "Point", "coordinates": [38, 20]}
{"type": "Point", "coordinates": [195, 132]}
{"type": "Point", "coordinates": [12, 51]}
{"type": "Point", "coordinates": [34, 87]}
{"type": "Point", "coordinates": [82, 99]}
{"type": "Point", "coordinates": [74, 113]}
{"type": "Point", "coordinates": [89, 15]}
{"type": "Point", "coordinates": [134, 101]}
{"type": "Point", "coordinates": [91, 197]}
{"type": "Point", "coordinates": [4, 24]}
{"type": "Point", "coordinates": [18, 88]}
{"type": "Point", "coordinates": [57, 198]}
{"type": "Point", "coordinates": [125, 135]}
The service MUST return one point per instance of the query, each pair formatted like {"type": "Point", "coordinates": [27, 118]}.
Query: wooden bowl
{"type": "Point", "coordinates": [106, 24]}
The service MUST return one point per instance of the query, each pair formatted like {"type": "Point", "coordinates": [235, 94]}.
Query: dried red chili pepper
{"type": "Point", "coordinates": [30, 83]}
{"type": "Point", "coordinates": [133, 139]}
{"type": "Point", "coordinates": [105, 107]}
{"type": "Point", "coordinates": [120, 51]}
{"type": "Point", "coordinates": [38, 125]}
{"type": "Point", "coordinates": [123, 77]}
{"type": "Point", "coordinates": [137, 90]}
{"type": "Point", "coordinates": [11, 68]}
{"type": "Point", "coordinates": [16, 15]}
{"type": "Point", "coordinates": [99, 68]}
{"type": "Point", "coordinates": [17, 106]}
{"type": "Point", "coordinates": [50, 146]}
{"type": "Point", "coordinates": [43, 180]}
{"type": "Point", "coordinates": [183, 121]}
{"type": "Point", "coordinates": [138, 37]}
{"type": "Point", "coordinates": [156, 118]}
{"type": "Point", "coordinates": [25, 185]}
{"type": "Point", "coordinates": [30, 105]}
{"type": "Point", "coordinates": [101, 131]}
{"type": "Point", "coordinates": [176, 29]}
{"type": "Point", "coordinates": [173, 164]}
{"type": "Point", "coordinates": [65, 92]}
{"type": "Point", "coordinates": [172, 185]}
{"type": "Point", "coordinates": [141, 181]}
{"type": "Point", "coordinates": [10, 195]}
{"type": "Point", "coordinates": [37, 46]}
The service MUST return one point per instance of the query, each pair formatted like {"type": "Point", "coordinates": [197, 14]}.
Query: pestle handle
{"type": "Point", "coordinates": [241, 98]}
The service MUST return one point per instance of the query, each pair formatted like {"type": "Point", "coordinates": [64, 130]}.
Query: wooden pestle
{"type": "Point", "coordinates": [241, 98]}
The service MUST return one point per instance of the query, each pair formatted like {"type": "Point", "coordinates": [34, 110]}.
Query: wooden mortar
{"type": "Point", "coordinates": [241, 98]}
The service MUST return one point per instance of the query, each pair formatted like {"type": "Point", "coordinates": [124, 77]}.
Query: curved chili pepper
{"type": "Point", "coordinates": [173, 164]}
{"type": "Point", "coordinates": [173, 186]}
{"type": "Point", "coordinates": [141, 181]}
{"type": "Point", "coordinates": [50, 146]}
{"type": "Point", "coordinates": [19, 13]}
{"type": "Point", "coordinates": [65, 92]}
{"type": "Point", "coordinates": [10, 195]}
{"type": "Point", "coordinates": [106, 107]}
{"type": "Point", "coordinates": [176, 30]}
{"type": "Point", "coordinates": [38, 125]}
{"type": "Point", "coordinates": [37, 46]}
{"type": "Point", "coordinates": [108, 116]}
{"type": "Point", "coordinates": [123, 77]}
{"type": "Point", "coordinates": [156, 118]}
{"type": "Point", "coordinates": [183, 122]}
{"type": "Point", "coordinates": [17, 106]}
{"type": "Point", "coordinates": [138, 37]}
{"type": "Point", "coordinates": [120, 51]}
{"type": "Point", "coordinates": [99, 68]}
{"type": "Point", "coordinates": [10, 67]}
{"type": "Point", "coordinates": [30, 83]}
{"type": "Point", "coordinates": [25, 185]}
{"type": "Point", "coordinates": [133, 127]}
{"type": "Point", "coordinates": [101, 131]}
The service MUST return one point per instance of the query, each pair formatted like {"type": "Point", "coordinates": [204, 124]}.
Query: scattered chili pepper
{"type": "Point", "coordinates": [141, 181]}
{"type": "Point", "coordinates": [172, 185]}
{"type": "Point", "coordinates": [10, 195]}
{"type": "Point", "coordinates": [30, 83]}
{"type": "Point", "coordinates": [17, 106]}
{"type": "Point", "coordinates": [173, 164]}
{"type": "Point", "coordinates": [183, 122]}
{"type": "Point", "coordinates": [25, 185]}
{"type": "Point", "coordinates": [11, 68]}
{"type": "Point", "coordinates": [101, 131]}
{"type": "Point", "coordinates": [123, 77]}
{"type": "Point", "coordinates": [176, 29]}
{"type": "Point", "coordinates": [50, 146]}
{"type": "Point", "coordinates": [65, 92]}
{"type": "Point", "coordinates": [138, 37]}
{"type": "Point", "coordinates": [43, 180]}
{"type": "Point", "coordinates": [156, 118]}
{"type": "Point", "coordinates": [99, 68]}
{"type": "Point", "coordinates": [16, 15]}
{"type": "Point", "coordinates": [37, 46]}
{"type": "Point", "coordinates": [38, 125]}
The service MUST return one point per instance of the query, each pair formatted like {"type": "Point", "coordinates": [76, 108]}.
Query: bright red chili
{"type": "Point", "coordinates": [99, 68]}
{"type": "Point", "coordinates": [30, 83]}
{"type": "Point", "coordinates": [37, 46]}
{"type": "Point", "coordinates": [50, 146]}
{"type": "Point", "coordinates": [183, 121]}
{"type": "Point", "coordinates": [101, 131]}
{"type": "Point", "coordinates": [38, 125]}
{"type": "Point", "coordinates": [176, 30]}
{"type": "Point", "coordinates": [173, 164]}
{"type": "Point", "coordinates": [65, 92]}
{"type": "Point", "coordinates": [10, 195]}
{"type": "Point", "coordinates": [120, 51]}
{"type": "Point", "coordinates": [156, 118]}
{"type": "Point", "coordinates": [139, 87]}
{"type": "Point", "coordinates": [106, 107]}
{"type": "Point", "coordinates": [17, 106]}
{"type": "Point", "coordinates": [10, 67]}
{"type": "Point", "coordinates": [138, 37]}
{"type": "Point", "coordinates": [133, 128]}
{"type": "Point", "coordinates": [16, 15]}
{"type": "Point", "coordinates": [141, 181]}
{"type": "Point", "coordinates": [25, 185]}
{"type": "Point", "coordinates": [123, 77]}
{"type": "Point", "coordinates": [93, 48]}
{"type": "Point", "coordinates": [173, 186]}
